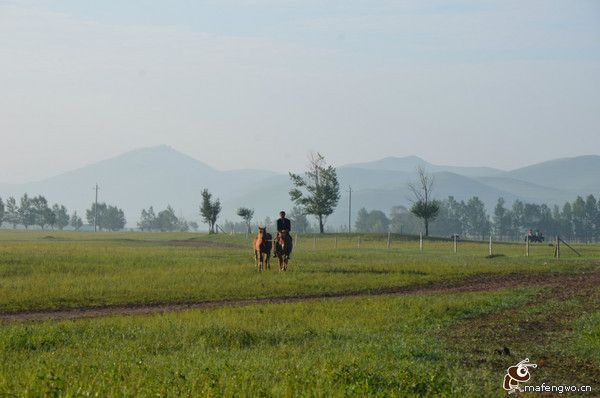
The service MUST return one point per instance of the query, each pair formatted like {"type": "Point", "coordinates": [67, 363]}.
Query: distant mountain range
{"type": "Point", "coordinates": [160, 176]}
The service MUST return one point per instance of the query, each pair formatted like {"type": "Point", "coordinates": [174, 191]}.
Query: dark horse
{"type": "Point", "coordinates": [262, 249]}
{"type": "Point", "coordinates": [283, 248]}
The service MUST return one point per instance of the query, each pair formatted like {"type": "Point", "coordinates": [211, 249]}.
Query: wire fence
{"type": "Point", "coordinates": [556, 248]}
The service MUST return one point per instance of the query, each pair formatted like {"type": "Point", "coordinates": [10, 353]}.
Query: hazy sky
{"type": "Point", "coordinates": [260, 83]}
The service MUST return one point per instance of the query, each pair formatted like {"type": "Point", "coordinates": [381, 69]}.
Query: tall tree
{"type": "Point", "coordinates": [209, 210]}
{"type": "Point", "coordinates": [76, 222]}
{"type": "Point", "coordinates": [424, 206]}
{"type": "Point", "coordinates": [26, 212]}
{"type": "Point", "coordinates": [477, 220]}
{"type": "Point", "coordinates": [12, 212]}
{"type": "Point", "coordinates": [61, 216]}
{"type": "Point", "coordinates": [578, 207]}
{"type": "Point", "coordinates": [317, 192]}
{"type": "Point", "coordinates": [1, 211]}
{"type": "Point", "coordinates": [502, 221]}
{"type": "Point", "coordinates": [246, 215]}
{"type": "Point", "coordinates": [591, 216]}
{"type": "Point", "coordinates": [42, 213]}
{"type": "Point", "coordinates": [148, 220]}
{"type": "Point", "coordinates": [362, 220]}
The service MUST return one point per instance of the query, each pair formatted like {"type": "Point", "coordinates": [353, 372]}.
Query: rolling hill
{"type": "Point", "coordinates": [160, 176]}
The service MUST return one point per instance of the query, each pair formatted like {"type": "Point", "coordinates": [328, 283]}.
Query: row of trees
{"type": "Point", "coordinates": [577, 220]}
{"type": "Point", "coordinates": [165, 220]}
{"type": "Point", "coordinates": [36, 211]}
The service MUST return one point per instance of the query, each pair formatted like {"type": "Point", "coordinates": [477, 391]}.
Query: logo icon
{"type": "Point", "coordinates": [517, 374]}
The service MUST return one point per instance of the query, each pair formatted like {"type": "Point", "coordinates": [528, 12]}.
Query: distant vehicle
{"type": "Point", "coordinates": [536, 236]}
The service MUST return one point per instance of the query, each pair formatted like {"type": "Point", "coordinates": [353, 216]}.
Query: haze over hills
{"type": "Point", "coordinates": [159, 176]}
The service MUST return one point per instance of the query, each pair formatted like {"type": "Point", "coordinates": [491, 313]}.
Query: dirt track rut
{"type": "Point", "coordinates": [475, 283]}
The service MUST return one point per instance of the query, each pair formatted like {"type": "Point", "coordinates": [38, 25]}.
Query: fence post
{"type": "Point", "coordinates": [557, 246]}
{"type": "Point", "coordinates": [454, 243]}
{"type": "Point", "coordinates": [421, 241]}
{"type": "Point", "coordinates": [388, 241]}
{"type": "Point", "coordinates": [527, 246]}
{"type": "Point", "coordinates": [491, 252]}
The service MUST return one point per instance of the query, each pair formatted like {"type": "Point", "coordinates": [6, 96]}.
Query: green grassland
{"type": "Point", "coordinates": [433, 344]}
{"type": "Point", "coordinates": [49, 270]}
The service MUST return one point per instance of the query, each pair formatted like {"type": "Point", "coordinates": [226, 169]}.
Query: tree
{"type": "Point", "coordinates": [42, 214]}
{"type": "Point", "coordinates": [96, 215]}
{"type": "Point", "coordinates": [299, 220]}
{"type": "Point", "coordinates": [26, 212]}
{"type": "Point", "coordinates": [182, 225]}
{"type": "Point", "coordinates": [11, 214]}
{"type": "Point", "coordinates": [362, 220]}
{"type": "Point", "coordinates": [591, 216]}
{"type": "Point", "coordinates": [61, 216]}
{"type": "Point", "coordinates": [167, 220]}
{"type": "Point", "coordinates": [423, 205]}
{"type": "Point", "coordinates": [76, 221]}
{"type": "Point", "coordinates": [502, 221]}
{"type": "Point", "coordinates": [246, 215]}
{"type": "Point", "coordinates": [318, 192]}
{"type": "Point", "coordinates": [114, 219]}
{"type": "Point", "coordinates": [209, 210]}
{"type": "Point", "coordinates": [1, 212]}
{"type": "Point", "coordinates": [147, 220]}
{"type": "Point", "coordinates": [373, 221]}
{"type": "Point", "coordinates": [450, 218]}
{"type": "Point", "coordinates": [194, 225]}
{"type": "Point", "coordinates": [477, 221]}
{"type": "Point", "coordinates": [109, 217]}
{"type": "Point", "coordinates": [402, 221]}
{"type": "Point", "coordinates": [578, 211]}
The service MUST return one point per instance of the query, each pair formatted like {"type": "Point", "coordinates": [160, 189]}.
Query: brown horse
{"type": "Point", "coordinates": [262, 249]}
{"type": "Point", "coordinates": [283, 248]}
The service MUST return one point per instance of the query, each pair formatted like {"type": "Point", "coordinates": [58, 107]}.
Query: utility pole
{"type": "Point", "coordinates": [349, 209]}
{"type": "Point", "coordinates": [96, 209]}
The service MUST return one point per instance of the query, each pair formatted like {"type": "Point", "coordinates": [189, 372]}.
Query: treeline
{"type": "Point", "coordinates": [36, 212]}
{"type": "Point", "coordinates": [164, 221]}
{"type": "Point", "coordinates": [300, 222]}
{"type": "Point", "coordinates": [578, 220]}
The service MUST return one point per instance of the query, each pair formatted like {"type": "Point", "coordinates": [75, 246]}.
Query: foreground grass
{"type": "Point", "coordinates": [377, 346]}
{"type": "Point", "coordinates": [49, 270]}
{"type": "Point", "coordinates": [430, 345]}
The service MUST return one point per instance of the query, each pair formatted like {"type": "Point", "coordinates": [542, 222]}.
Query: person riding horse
{"type": "Point", "coordinates": [283, 223]}
{"type": "Point", "coordinates": [284, 227]}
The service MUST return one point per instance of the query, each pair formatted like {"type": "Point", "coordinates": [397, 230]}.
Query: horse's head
{"type": "Point", "coordinates": [281, 237]}
{"type": "Point", "coordinates": [262, 231]}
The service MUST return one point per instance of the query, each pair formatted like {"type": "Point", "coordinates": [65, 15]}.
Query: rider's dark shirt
{"type": "Point", "coordinates": [283, 223]}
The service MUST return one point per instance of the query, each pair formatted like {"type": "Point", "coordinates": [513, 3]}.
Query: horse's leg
{"type": "Point", "coordinates": [267, 263]}
{"type": "Point", "coordinates": [256, 259]}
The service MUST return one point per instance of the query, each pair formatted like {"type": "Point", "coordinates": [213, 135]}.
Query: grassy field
{"type": "Point", "coordinates": [438, 343]}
